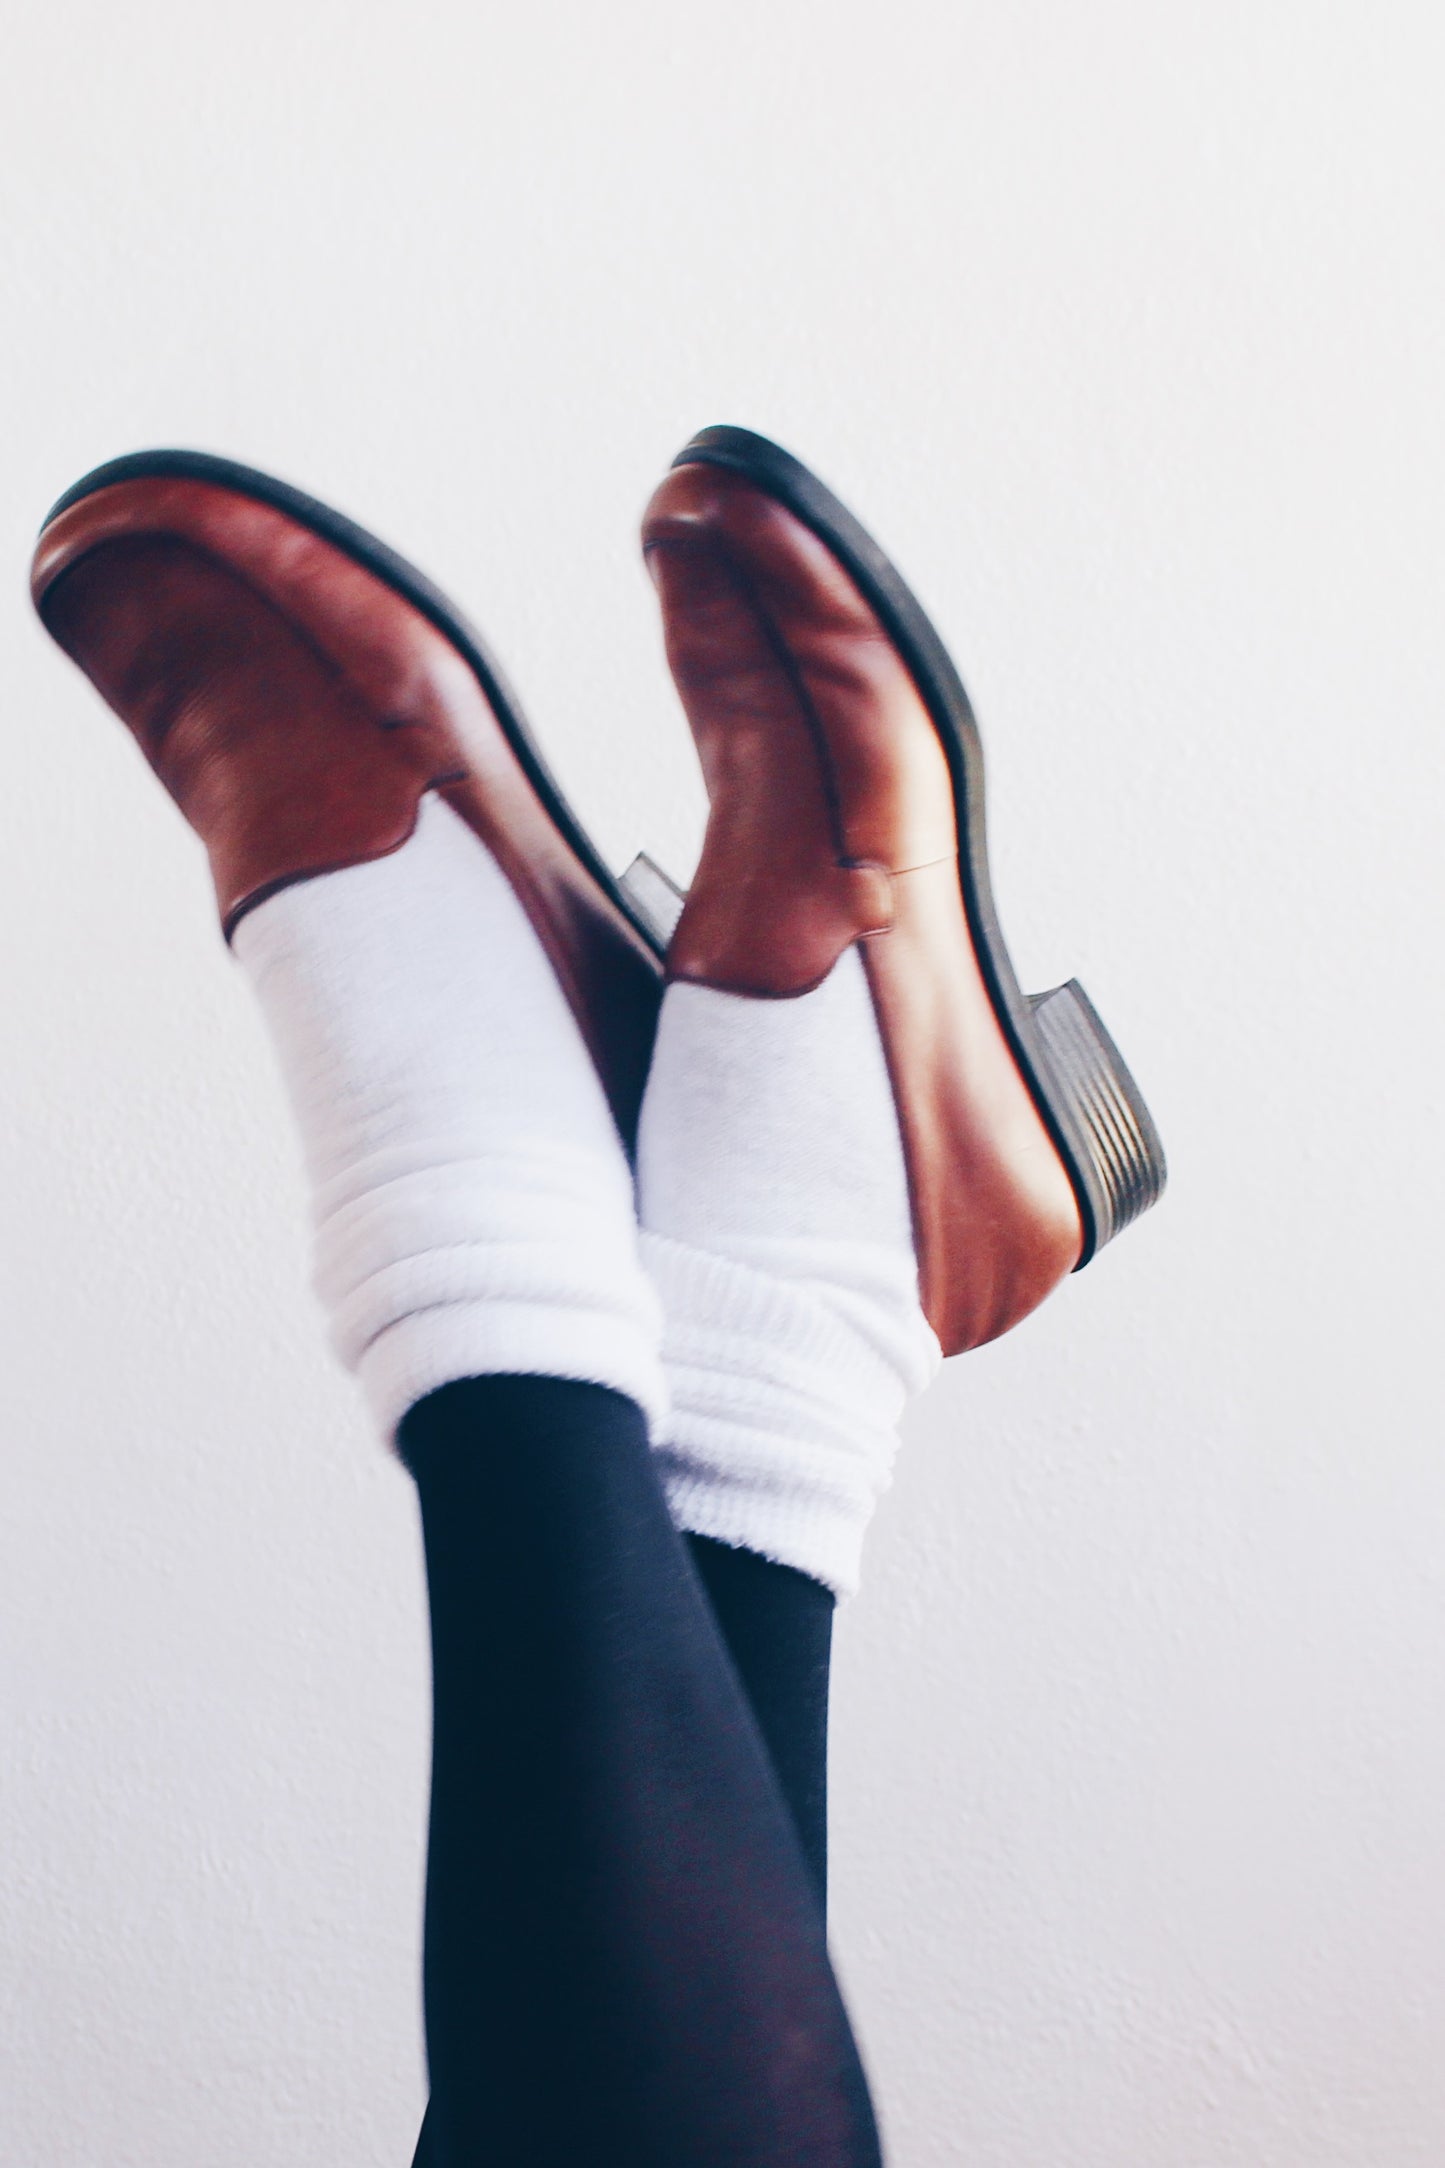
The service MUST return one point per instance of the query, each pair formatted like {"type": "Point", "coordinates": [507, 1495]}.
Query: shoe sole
{"type": "Point", "coordinates": [1092, 1108]}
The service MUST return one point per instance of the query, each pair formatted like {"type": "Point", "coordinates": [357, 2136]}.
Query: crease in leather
{"type": "Point", "coordinates": [782, 655]}
{"type": "Point", "coordinates": [769, 920]}
{"type": "Point", "coordinates": [215, 715]}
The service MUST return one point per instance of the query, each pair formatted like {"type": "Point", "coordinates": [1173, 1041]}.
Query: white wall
{"type": "Point", "coordinates": [1124, 326]}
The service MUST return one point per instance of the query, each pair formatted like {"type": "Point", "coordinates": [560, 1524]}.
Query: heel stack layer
{"type": "Point", "coordinates": [1108, 1110]}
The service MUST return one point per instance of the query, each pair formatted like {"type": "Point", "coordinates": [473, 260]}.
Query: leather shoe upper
{"type": "Point", "coordinates": [832, 820]}
{"type": "Point", "coordinates": [296, 707]}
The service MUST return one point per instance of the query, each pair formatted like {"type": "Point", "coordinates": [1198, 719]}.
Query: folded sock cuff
{"type": "Point", "coordinates": [781, 1436]}
{"type": "Point", "coordinates": [440, 1259]}
{"type": "Point", "coordinates": [811, 1528]}
{"type": "Point", "coordinates": [498, 1337]}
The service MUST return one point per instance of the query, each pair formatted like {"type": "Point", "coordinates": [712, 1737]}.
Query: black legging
{"type": "Point", "coordinates": [777, 1626]}
{"type": "Point", "coordinates": [625, 1956]}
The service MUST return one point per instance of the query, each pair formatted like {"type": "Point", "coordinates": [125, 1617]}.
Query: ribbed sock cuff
{"type": "Point", "coordinates": [782, 1433]}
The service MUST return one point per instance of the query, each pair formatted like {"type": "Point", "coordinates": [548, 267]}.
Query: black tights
{"type": "Point", "coordinates": [625, 1957]}
{"type": "Point", "coordinates": [777, 1626]}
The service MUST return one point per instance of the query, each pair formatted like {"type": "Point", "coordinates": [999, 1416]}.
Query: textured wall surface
{"type": "Point", "coordinates": [1124, 326]}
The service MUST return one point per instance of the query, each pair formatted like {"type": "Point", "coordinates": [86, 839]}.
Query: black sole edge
{"type": "Point", "coordinates": [777, 472]}
{"type": "Point", "coordinates": [413, 586]}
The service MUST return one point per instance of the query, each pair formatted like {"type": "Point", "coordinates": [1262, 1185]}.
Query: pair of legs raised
{"type": "Point", "coordinates": [856, 1146]}
{"type": "Point", "coordinates": [625, 1951]}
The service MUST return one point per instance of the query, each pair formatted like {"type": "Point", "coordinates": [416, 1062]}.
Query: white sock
{"type": "Point", "coordinates": [774, 1204]}
{"type": "Point", "coordinates": [473, 1205]}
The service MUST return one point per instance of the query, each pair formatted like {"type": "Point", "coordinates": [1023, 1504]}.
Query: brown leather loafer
{"type": "Point", "coordinates": [845, 778]}
{"type": "Point", "coordinates": [297, 687]}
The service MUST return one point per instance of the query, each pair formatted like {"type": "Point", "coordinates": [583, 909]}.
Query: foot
{"type": "Point", "coordinates": [298, 689]}
{"type": "Point", "coordinates": [834, 827]}
{"type": "Point", "coordinates": [860, 1147]}
{"type": "Point", "coordinates": [461, 1006]}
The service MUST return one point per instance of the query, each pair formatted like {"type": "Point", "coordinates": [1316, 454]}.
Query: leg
{"type": "Point", "coordinates": [625, 1958]}
{"type": "Point", "coordinates": [777, 1627]}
